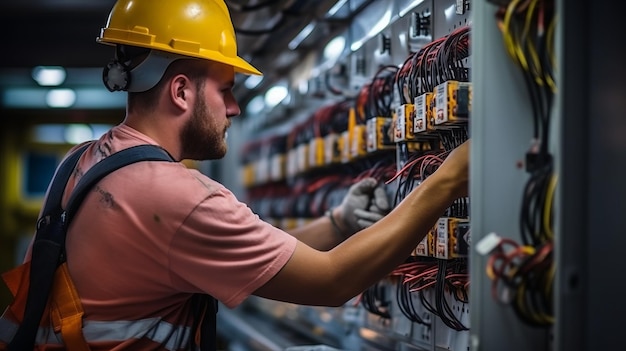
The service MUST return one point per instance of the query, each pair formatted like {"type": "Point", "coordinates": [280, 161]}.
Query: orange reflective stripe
{"type": "Point", "coordinates": [66, 311]}
{"type": "Point", "coordinates": [67, 307]}
{"type": "Point", "coordinates": [64, 315]}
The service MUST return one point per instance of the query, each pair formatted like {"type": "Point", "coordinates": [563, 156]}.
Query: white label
{"type": "Point", "coordinates": [442, 238]}
{"type": "Point", "coordinates": [419, 120]}
{"type": "Point", "coordinates": [400, 125]}
{"type": "Point", "coordinates": [441, 104]}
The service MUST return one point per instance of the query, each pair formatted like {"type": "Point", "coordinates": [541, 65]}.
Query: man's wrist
{"type": "Point", "coordinates": [330, 213]}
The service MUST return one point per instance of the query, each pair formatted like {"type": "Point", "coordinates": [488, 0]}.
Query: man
{"type": "Point", "coordinates": [152, 235]}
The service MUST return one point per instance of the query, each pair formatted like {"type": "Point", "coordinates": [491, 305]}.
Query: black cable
{"type": "Point", "coordinates": [374, 301]}
{"type": "Point", "coordinates": [445, 311]}
{"type": "Point", "coordinates": [406, 304]}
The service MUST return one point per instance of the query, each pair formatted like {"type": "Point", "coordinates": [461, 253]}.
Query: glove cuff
{"type": "Point", "coordinates": [333, 221]}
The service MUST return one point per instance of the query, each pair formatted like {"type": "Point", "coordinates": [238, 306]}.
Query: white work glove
{"type": "Point", "coordinates": [365, 203]}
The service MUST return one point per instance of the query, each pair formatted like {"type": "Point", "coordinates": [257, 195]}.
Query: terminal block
{"type": "Point", "coordinates": [452, 103]}
{"type": "Point", "coordinates": [452, 238]}
{"type": "Point", "coordinates": [403, 118]}
{"type": "Point", "coordinates": [379, 134]}
{"type": "Point", "coordinates": [423, 121]}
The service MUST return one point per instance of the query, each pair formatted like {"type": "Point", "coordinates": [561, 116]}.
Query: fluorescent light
{"type": "Point", "coordinates": [256, 105]}
{"type": "Point", "coordinates": [334, 48]}
{"type": "Point", "coordinates": [304, 33]}
{"type": "Point", "coordinates": [49, 76]}
{"type": "Point", "coordinates": [78, 133]}
{"type": "Point", "coordinates": [409, 7]}
{"type": "Point", "coordinates": [37, 98]}
{"type": "Point", "coordinates": [60, 98]}
{"type": "Point", "coordinates": [253, 81]}
{"type": "Point", "coordinates": [67, 133]}
{"type": "Point", "coordinates": [382, 23]}
{"type": "Point", "coordinates": [336, 7]}
{"type": "Point", "coordinates": [275, 95]}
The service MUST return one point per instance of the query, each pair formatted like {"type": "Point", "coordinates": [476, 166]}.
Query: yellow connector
{"type": "Point", "coordinates": [426, 247]}
{"type": "Point", "coordinates": [332, 149]}
{"type": "Point", "coordinates": [278, 167]}
{"type": "Point", "coordinates": [403, 123]}
{"type": "Point", "coordinates": [358, 147]}
{"type": "Point", "coordinates": [453, 103]}
{"type": "Point", "coordinates": [452, 238]}
{"type": "Point", "coordinates": [316, 152]}
{"type": "Point", "coordinates": [379, 134]}
{"type": "Point", "coordinates": [423, 121]}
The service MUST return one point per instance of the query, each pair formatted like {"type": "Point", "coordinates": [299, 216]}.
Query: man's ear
{"type": "Point", "coordinates": [181, 92]}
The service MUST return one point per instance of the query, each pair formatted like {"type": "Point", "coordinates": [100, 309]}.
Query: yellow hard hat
{"type": "Point", "coordinates": [194, 28]}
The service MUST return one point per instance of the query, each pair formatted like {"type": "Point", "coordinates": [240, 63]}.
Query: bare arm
{"type": "Point", "coordinates": [332, 277]}
{"type": "Point", "coordinates": [318, 234]}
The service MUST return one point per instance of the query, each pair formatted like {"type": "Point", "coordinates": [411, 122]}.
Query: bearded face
{"type": "Point", "coordinates": [204, 137]}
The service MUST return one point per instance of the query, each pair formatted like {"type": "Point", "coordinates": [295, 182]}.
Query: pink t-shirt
{"type": "Point", "coordinates": [152, 233]}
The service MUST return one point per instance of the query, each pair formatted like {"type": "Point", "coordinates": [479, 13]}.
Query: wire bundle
{"type": "Point", "coordinates": [375, 300]}
{"type": "Point", "coordinates": [440, 60]}
{"type": "Point", "coordinates": [380, 93]}
{"type": "Point", "coordinates": [418, 168]}
{"type": "Point", "coordinates": [528, 32]}
{"type": "Point", "coordinates": [448, 280]}
{"type": "Point", "coordinates": [523, 274]}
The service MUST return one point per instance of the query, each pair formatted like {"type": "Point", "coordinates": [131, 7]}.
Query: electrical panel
{"type": "Point", "coordinates": [399, 102]}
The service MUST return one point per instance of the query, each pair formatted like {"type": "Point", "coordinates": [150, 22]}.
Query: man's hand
{"type": "Point", "coordinates": [365, 203]}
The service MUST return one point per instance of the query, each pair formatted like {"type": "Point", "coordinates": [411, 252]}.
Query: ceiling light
{"type": "Point", "coordinates": [49, 76]}
{"type": "Point", "coordinates": [78, 133]}
{"type": "Point", "coordinates": [38, 98]}
{"type": "Point", "coordinates": [304, 33]}
{"type": "Point", "coordinates": [275, 95]}
{"type": "Point", "coordinates": [338, 5]}
{"type": "Point", "coordinates": [334, 48]}
{"type": "Point", "coordinates": [381, 24]}
{"type": "Point", "coordinates": [256, 105]}
{"type": "Point", "coordinates": [60, 98]}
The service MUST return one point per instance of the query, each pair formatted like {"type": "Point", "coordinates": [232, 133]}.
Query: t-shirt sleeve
{"type": "Point", "coordinates": [225, 250]}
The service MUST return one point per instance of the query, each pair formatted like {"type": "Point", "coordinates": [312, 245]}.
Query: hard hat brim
{"type": "Point", "coordinates": [239, 64]}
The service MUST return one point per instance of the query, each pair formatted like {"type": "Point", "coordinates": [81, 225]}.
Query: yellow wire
{"type": "Point", "coordinates": [515, 48]}
{"type": "Point", "coordinates": [538, 317]}
{"type": "Point", "coordinates": [536, 63]}
{"type": "Point", "coordinates": [547, 208]}
{"type": "Point", "coordinates": [490, 273]}
{"type": "Point", "coordinates": [509, 39]}
{"type": "Point", "coordinates": [550, 48]}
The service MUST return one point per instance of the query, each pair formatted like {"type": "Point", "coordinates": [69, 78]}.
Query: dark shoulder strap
{"type": "Point", "coordinates": [46, 250]}
{"type": "Point", "coordinates": [49, 246]}
{"type": "Point", "coordinates": [108, 165]}
{"type": "Point", "coordinates": [59, 181]}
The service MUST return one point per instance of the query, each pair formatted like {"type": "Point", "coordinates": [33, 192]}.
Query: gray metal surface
{"type": "Point", "coordinates": [592, 168]}
{"type": "Point", "coordinates": [501, 132]}
{"type": "Point", "coordinates": [445, 18]}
